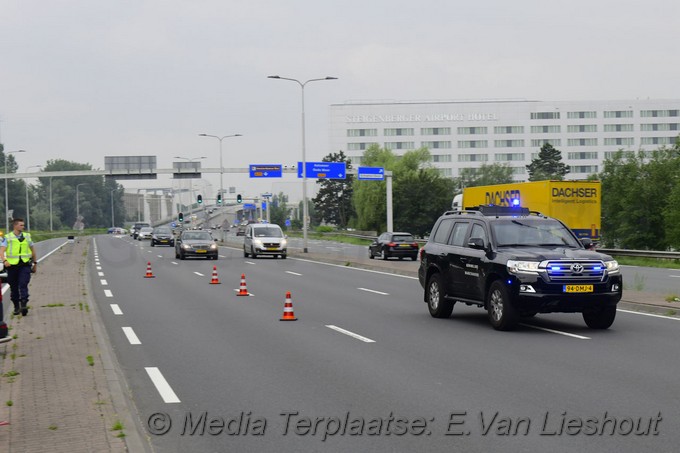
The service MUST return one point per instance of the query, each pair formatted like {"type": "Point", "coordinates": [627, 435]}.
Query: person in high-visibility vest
{"type": "Point", "coordinates": [20, 261]}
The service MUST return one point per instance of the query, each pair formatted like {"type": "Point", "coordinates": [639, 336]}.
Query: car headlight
{"type": "Point", "coordinates": [186, 246]}
{"type": "Point", "coordinates": [527, 267]}
{"type": "Point", "coordinates": [257, 242]}
{"type": "Point", "coordinates": [284, 243]}
{"type": "Point", "coordinates": [213, 246]}
{"type": "Point", "coordinates": [612, 266]}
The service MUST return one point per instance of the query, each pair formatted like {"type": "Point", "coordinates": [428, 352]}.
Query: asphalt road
{"type": "Point", "coordinates": [365, 368]}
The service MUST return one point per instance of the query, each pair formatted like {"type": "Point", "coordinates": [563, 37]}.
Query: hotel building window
{"type": "Point", "coordinates": [618, 128]}
{"type": "Point", "coordinates": [546, 129]}
{"type": "Point", "coordinates": [659, 127]}
{"type": "Point", "coordinates": [618, 114]}
{"type": "Point", "coordinates": [399, 131]}
{"type": "Point", "coordinates": [582, 128]}
{"type": "Point", "coordinates": [519, 170]}
{"type": "Point", "coordinates": [473, 144]}
{"type": "Point", "coordinates": [359, 146]}
{"type": "Point", "coordinates": [473, 158]}
{"type": "Point", "coordinates": [446, 172]}
{"type": "Point", "coordinates": [537, 143]}
{"type": "Point", "coordinates": [582, 156]}
{"type": "Point", "coordinates": [573, 115]}
{"type": "Point", "coordinates": [399, 145]}
{"type": "Point", "coordinates": [508, 130]}
{"type": "Point", "coordinates": [658, 140]}
{"type": "Point", "coordinates": [441, 157]}
{"type": "Point", "coordinates": [582, 142]}
{"type": "Point", "coordinates": [362, 132]}
{"type": "Point", "coordinates": [508, 157]}
{"type": "Point", "coordinates": [472, 130]}
{"type": "Point", "coordinates": [620, 141]}
{"type": "Point", "coordinates": [659, 113]}
{"type": "Point", "coordinates": [545, 115]}
{"type": "Point", "coordinates": [508, 143]}
{"type": "Point", "coordinates": [587, 169]}
{"type": "Point", "coordinates": [624, 154]}
{"type": "Point", "coordinates": [435, 131]}
{"type": "Point", "coordinates": [436, 145]}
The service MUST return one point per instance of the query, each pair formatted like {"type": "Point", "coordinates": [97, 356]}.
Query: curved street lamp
{"type": "Point", "coordinates": [305, 210]}
{"type": "Point", "coordinates": [7, 153]}
{"type": "Point", "coordinates": [221, 166]}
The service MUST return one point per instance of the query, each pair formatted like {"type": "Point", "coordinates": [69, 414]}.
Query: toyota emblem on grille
{"type": "Point", "coordinates": [576, 268]}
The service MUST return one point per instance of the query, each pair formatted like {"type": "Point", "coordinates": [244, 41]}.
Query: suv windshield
{"type": "Point", "coordinates": [267, 232]}
{"type": "Point", "coordinates": [532, 232]}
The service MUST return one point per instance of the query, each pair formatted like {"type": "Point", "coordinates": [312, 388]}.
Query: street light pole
{"type": "Point", "coordinates": [305, 210]}
{"type": "Point", "coordinates": [28, 212]}
{"type": "Point", "coordinates": [221, 166]}
{"type": "Point", "coordinates": [6, 190]}
{"type": "Point", "coordinates": [113, 219]}
{"type": "Point", "coordinates": [51, 226]}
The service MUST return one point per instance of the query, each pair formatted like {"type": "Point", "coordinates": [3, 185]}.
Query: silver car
{"type": "Point", "coordinates": [144, 233]}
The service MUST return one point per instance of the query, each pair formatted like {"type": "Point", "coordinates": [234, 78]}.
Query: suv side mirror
{"type": "Point", "coordinates": [476, 243]}
{"type": "Point", "coordinates": [587, 243]}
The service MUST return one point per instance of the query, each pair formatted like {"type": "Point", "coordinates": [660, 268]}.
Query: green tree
{"type": "Point", "coordinates": [333, 202]}
{"type": "Point", "coordinates": [16, 188]}
{"type": "Point", "coordinates": [279, 210]}
{"type": "Point", "coordinates": [547, 165]}
{"type": "Point", "coordinates": [485, 175]}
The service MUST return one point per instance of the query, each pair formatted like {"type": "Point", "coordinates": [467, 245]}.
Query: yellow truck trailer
{"type": "Point", "coordinates": [576, 203]}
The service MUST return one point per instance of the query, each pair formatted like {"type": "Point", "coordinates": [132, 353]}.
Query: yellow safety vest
{"type": "Point", "coordinates": [18, 250]}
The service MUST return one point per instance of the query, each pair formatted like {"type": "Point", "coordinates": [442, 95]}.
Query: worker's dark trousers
{"type": "Point", "coordinates": [18, 278]}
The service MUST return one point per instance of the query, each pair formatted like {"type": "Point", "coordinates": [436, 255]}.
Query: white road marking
{"type": "Point", "coordinates": [101, 274]}
{"type": "Point", "coordinates": [351, 334]}
{"type": "Point", "coordinates": [222, 256]}
{"type": "Point", "coordinates": [99, 268]}
{"type": "Point", "coordinates": [161, 385]}
{"type": "Point", "coordinates": [352, 268]}
{"type": "Point", "coordinates": [676, 276]}
{"type": "Point", "coordinates": [374, 291]}
{"type": "Point", "coordinates": [174, 262]}
{"type": "Point", "coordinates": [131, 336]}
{"type": "Point", "coordinates": [103, 282]}
{"type": "Point", "coordinates": [199, 274]}
{"type": "Point", "coordinates": [293, 273]}
{"type": "Point", "coordinates": [108, 293]}
{"type": "Point", "coordinates": [116, 309]}
{"type": "Point", "coordinates": [558, 332]}
{"type": "Point", "coordinates": [648, 314]}
{"type": "Point", "coordinates": [249, 262]}
{"type": "Point", "coordinates": [160, 256]}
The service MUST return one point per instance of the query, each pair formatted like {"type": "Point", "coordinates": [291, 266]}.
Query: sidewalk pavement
{"type": "Point", "coordinates": [58, 387]}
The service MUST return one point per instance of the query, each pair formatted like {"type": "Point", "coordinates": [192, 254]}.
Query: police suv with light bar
{"type": "Point", "coordinates": [515, 263]}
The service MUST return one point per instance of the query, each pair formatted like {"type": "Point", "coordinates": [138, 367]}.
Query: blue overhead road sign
{"type": "Point", "coordinates": [265, 170]}
{"type": "Point", "coordinates": [375, 173]}
{"type": "Point", "coordinates": [323, 170]}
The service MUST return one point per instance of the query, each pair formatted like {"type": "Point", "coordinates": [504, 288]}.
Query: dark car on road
{"type": "Point", "coordinates": [398, 245]}
{"type": "Point", "coordinates": [162, 236]}
{"type": "Point", "coordinates": [195, 243]}
{"type": "Point", "coordinates": [516, 264]}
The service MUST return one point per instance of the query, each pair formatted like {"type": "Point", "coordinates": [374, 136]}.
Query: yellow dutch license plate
{"type": "Point", "coordinates": [201, 251]}
{"type": "Point", "coordinates": [271, 248]}
{"type": "Point", "coordinates": [578, 288]}
{"type": "Point", "coordinates": [404, 245]}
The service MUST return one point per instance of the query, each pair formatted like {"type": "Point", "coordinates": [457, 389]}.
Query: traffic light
{"type": "Point", "coordinates": [200, 199]}
{"type": "Point", "coordinates": [180, 217]}
{"type": "Point", "coordinates": [239, 198]}
{"type": "Point", "coordinates": [219, 198]}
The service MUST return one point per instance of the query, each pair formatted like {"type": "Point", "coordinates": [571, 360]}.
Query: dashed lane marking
{"type": "Point", "coordinates": [131, 336]}
{"type": "Point", "coordinates": [116, 309]}
{"type": "Point", "coordinates": [162, 385]}
{"type": "Point", "coordinates": [108, 293]}
{"type": "Point", "coordinates": [351, 334]}
{"type": "Point", "coordinates": [374, 291]}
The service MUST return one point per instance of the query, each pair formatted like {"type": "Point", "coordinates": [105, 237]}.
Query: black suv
{"type": "Point", "coordinates": [515, 263]}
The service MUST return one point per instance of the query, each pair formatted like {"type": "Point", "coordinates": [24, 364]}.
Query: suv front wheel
{"type": "Point", "coordinates": [439, 306]}
{"type": "Point", "coordinates": [502, 315]}
{"type": "Point", "coordinates": [600, 319]}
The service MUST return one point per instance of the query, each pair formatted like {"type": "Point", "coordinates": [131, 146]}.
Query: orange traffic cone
{"type": "Point", "coordinates": [288, 314]}
{"type": "Point", "coordinates": [242, 290]}
{"type": "Point", "coordinates": [149, 274]}
{"type": "Point", "coordinates": [215, 279]}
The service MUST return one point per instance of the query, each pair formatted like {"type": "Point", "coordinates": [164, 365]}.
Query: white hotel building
{"type": "Point", "coordinates": [467, 134]}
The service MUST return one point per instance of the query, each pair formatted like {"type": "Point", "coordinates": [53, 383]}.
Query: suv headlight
{"type": "Point", "coordinates": [527, 267]}
{"type": "Point", "coordinates": [612, 266]}
{"type": "Point", "coordinates": [284, 242]}
{"type": "Point", "coordinates": [213, 246]}
{"type": "Point", "coordinates": [257, 242]}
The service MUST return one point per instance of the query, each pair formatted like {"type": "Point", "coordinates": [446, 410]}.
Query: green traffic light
{"type": "Point", "coordinates": [239, 199]}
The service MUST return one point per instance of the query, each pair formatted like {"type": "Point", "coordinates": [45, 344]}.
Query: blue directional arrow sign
{"type": "Point", "coordinates": [374, 173]}
{"type": "Point", "coordinates": [265, 170]}
{"type": "Point", "coordinates": [323, 170]}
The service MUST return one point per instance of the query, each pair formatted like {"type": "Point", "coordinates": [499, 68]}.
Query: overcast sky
{"type": "Point", "coordinates": [83, 79]}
